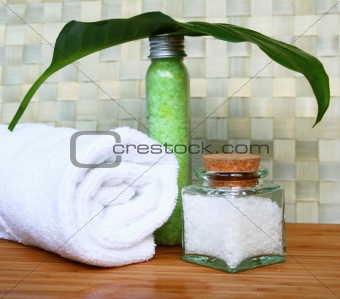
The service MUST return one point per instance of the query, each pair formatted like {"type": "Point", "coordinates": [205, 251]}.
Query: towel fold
{"type": "Point", "coordinates": [99, 216]}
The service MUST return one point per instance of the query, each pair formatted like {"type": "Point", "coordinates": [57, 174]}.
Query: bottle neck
{"type": "Point", "coordinates": [166, 46]}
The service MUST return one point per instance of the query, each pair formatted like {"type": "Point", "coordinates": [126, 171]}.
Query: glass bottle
{"type": "Point", "coordinates": [233, 221]}
{"type": "Point", "coordinates": [168, 122]}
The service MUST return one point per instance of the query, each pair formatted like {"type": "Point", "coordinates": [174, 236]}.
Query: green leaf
{"type": "Point", "coordinates": [78, 39]}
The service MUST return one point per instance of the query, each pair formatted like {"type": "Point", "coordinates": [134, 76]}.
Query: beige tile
{"type": "Point", "coordinates": [284, 171]}
{"type": "Point", "coordinates": [216, 129]}
{"type": "Point", "coordinates": [10, 93]}
{"type": "Point", "coordinates": [284, 128]}
{"type": "Point", "coordinates": [67, 91]}
{"type": "Point", "coordinates": [239, 49]}
{"type": "Point", "coordinates": [263, 87]}
{"type": "Point", "coordinates": [239, 67]}
{"type": "Point", "coordinates": [198, 88]}
{"type": "Point", "coordinates": [109, 71]}
{"type": "Point", "coordinates": [53, 12]}
{"type": "Point", "coordinates": [88, 91]}
{"type": "Point", "coordinates": [329, 171]}
{"type": "Point", "coordinates": [50, 31]}
{"type": "Point", "coordinates": [66, 111]}
{"type": "Point", "coordinates": [216, 107]}
{"type": "Point", "coordinates": [307, 191]}
{"type": "Point", "coordinates": [216, 9]}
{"type": "Point", "coordinates": [103, 125]}
{"type": "Point", "coordinates": [307, 171]}
{"type": "Point", "coordinates": [306, 107]}
{"type": "Point", "coordinates": [329, 128]}
{"type": "Point", "coordinates": [305, 96]}
{"type": "Point", "coordinates": [8, 111]}
{"type": "Point", "coordinates": [216, 87]}
{"type": "Point", "coordinates": [198, 128]}
{"type": "Point", "coordinates": [284, 150]}
{"type": "Point", "coordinates": [239, 107]}
{"type": "Point", "coordinates": [302, 24]}
{"type": "Point", "coordinates": [261, 10]}
{"type": "Point", "coordinates": [308, 44]}
{"type": "Point", "coordinates": [238, 8]}
{"type": "Point", "coordinates": [331, 65]}
{"type": "Point", "coordinates": [88, 69]}
{"type": "Point", "coordinates": [261, 65]}
{"type": "Point", "coordinates": [72, 11]}
{"type": "Point", "coordinates": [283, 7]}
{"type": "Point", "coordinates": [87, 110]}
{"type": "Point", "coordinates": [262, 24]}
{"type": "Point", "coordinates": [113, 53]}
{"type": "Point", "coordinates": [47, 111]}
{"type": "Point", "coordinates": [176, 11]}
{"type": "Point", "coordinates": [131, 8]}
{"type": "Point", "coordinates": [284, 87]}
{"type": "Point", "coordinates": [334, 83]}
{"type": "Point", "coordinates": [131, 50]}
{"type": "Point", "coordinates": [239, 87]}
{"type": "Point", "coordinates": [15, 35]}
{"type": "Point", "coordinates": [131, 70]}
{"type": "Point", "coordinates": [86, 125]}
{"type": "Point", "coordinates": [307, 212]}
{"type": "Point", "coordinates": [261, 107]}
{"type": "Point", "coordinates": [323, 27]}
{"type": "Point", "coordinates": [305, 130]}
{"type": "Point", "coordinates": [304, 7]}
{"type": "Point", "coordinates": [329, 192]}
{"type": "Point", "coordinates": [194, 8]}
{"type": "Point", "coordinates": [329, 150]}
{"type": "Point", "coordinates": [31, 54]}
{"type": "Point", "coordinates": [307, 150]}
{"type": "Point", "coordinates": [2, 35]}
{"type": "Point", "coordinates": [128, 109]}
{"type": "Point", "coordinates": [262, 128]}
{"type": "Point", "coordinates": [329, 213]}
{"type": "Point", "coordinates": [129, 89]}
{"type": "Point", "coordinates": [91, 11]}
{"type": "Point", "coordinates": [109, 90]}
{"type": "Point", "coordinates": [327, 46]}
{"type": "Point", "coordinates": [215, 48]}
{"type": "Point", "coordinates": [196, 67]}
{"type": "Point", "coordinates": [239, 128]}
{"type": "Point", "coordinates": [216, 67]}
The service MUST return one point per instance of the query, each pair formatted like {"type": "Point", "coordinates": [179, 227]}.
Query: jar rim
{"type": "Point", "coordinates": [231, 178]}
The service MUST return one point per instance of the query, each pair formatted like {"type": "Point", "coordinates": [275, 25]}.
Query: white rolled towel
{"type": "Point", "coordinates": [99, 216]}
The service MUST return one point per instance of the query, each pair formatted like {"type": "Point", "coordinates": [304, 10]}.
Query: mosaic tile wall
{"type": "Point", "coordinates": [276, 109]}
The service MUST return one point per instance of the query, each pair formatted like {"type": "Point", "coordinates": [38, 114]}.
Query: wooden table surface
{"type": "Point", "coordinates": [311, 270]}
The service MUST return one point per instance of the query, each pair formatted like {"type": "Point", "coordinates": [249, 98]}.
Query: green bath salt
{"type": "Point", "coordinates": [167, 92]}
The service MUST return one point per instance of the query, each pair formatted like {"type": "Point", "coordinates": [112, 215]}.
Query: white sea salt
{"type": "Point", "coordinates": [233, 229]}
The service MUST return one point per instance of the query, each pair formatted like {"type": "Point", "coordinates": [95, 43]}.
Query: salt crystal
{"type": "Point", "coordinates": [232, 228]}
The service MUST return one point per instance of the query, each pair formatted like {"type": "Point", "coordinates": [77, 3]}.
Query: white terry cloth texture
{"type": "Point", "coordinates": [98, 216]}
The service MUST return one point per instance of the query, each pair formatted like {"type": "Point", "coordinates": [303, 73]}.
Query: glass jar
{"type": "Point", "coordinates": [233, 221]}
{"type": "Point", "coordinates": [168, 121]}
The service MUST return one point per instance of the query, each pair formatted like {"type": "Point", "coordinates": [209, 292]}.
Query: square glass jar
{"type": "Point", "coordinates": [232, 221]}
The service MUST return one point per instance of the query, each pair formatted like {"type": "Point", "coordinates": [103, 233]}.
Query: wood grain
{"type": "Point", "coordinates": [312, 270]}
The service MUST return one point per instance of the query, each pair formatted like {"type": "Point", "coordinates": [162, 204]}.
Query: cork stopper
{"type": "Point", "coordinates": [232, 163]}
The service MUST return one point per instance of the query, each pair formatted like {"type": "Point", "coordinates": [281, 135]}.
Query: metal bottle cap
{"type": "Point", "coordinates": [163, 46]}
